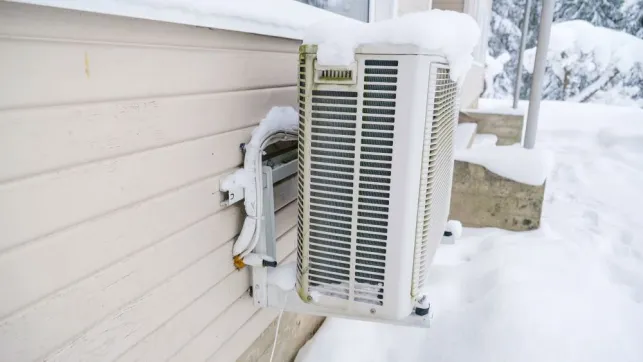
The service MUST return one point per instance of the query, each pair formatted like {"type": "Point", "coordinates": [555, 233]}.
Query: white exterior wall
{"type": "Point", "coordinates": [114, 134]}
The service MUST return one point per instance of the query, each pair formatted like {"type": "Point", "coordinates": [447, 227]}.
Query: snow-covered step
{"type": "Point", "coordinates": [499, 186]}
{"type": "Point", "coordinates": [464, 135]}
{"type": "Point", "coordinates": [484, 140]}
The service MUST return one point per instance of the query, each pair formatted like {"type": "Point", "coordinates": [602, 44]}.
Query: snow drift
{"type": "Point", "coordinates": [570, 291]}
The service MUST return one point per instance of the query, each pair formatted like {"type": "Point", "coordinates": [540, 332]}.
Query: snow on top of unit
{"type": "Point", "coordinates": [447, 33]}
{"type": "Point", "coordinates": [527, 166]}
{"type": "Point", "coordinates": [284, 18]}
{"type": "Point", "coordinates": [608, 47]}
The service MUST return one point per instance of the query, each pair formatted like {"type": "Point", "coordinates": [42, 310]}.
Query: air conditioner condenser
{"type": "Point", "coordinates": [375, 166]}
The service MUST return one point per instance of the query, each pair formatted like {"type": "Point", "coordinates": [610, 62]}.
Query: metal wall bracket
{"type": "Point", "coordinates": [272, 173]}
{"type": "Point", "coordinates": [279, 171]}
{"type": "Point", "coordinates": [232, 196]}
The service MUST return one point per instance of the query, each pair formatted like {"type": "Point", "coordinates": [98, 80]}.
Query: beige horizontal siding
{"type": "Point", "coordinates": [114, 134]}
{"type": "Point", "coordinates": [91, 132]}
{"type": "Point", "coordinates": [72, 73]}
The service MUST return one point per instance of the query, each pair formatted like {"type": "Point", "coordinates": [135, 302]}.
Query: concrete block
{"type": "Point", "coordinates": [507, 127]}
{"type": "Point", "coordinates": [295, 330]}
{"type": "Point", "coordinates": [481, 198]}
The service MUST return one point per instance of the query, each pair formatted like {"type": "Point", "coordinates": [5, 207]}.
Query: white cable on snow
{"type": "Point", "coordinates": [274, 343]}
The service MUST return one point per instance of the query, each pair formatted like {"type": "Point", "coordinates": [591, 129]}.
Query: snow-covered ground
{"type": "Point", "coordinates": [570, 291]}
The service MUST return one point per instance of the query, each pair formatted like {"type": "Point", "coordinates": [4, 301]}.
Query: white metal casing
{"type": "Point", "coordinates": [375, 175]}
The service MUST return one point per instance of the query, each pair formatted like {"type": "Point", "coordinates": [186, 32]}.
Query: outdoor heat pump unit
{"type": "Point", "coordinates": [374, 172]}
{"type": "Point", "coordinates": [375, 154]}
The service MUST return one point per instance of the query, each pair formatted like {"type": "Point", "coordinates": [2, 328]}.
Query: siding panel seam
{"type": "Point", "coordinates": [144, 98]}
{"type": "Point", "coordinates": [117, 209]}
{"type": "Point", "coordinates": [92, 325]}
{"type": "Point", "coordinates": [107, 266]}
{"type": "Point", "coordinates": [26, 177]}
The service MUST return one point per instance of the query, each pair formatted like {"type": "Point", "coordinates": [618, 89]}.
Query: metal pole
{"type": "Point", "coordinates": [546, 19]}
{"type": "Point", "coordinates": [523, 44]}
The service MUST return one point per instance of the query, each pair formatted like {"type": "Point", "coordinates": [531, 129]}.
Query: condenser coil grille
{"type": "Point", "coordinates": [435, 182]}
{"type": "Point", "coordinates": [350, 150]}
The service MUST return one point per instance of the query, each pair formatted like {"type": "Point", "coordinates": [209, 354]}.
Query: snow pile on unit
{"type": "Point", "coordinates": [571, 291]}
{"type": "Point", "coordinates": [449, 33]}
{"type": "Point", "coordinates": [527, 166]}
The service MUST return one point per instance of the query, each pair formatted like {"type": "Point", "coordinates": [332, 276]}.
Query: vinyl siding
{"type": "Point", "coordinates": [114, 134]}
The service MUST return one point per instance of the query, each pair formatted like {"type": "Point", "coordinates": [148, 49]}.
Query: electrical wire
{"type": "Point", "coordinates": [274, 343]}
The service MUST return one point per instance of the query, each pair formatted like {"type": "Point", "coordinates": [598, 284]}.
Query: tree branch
{"type": "Point", "coordinates": [590, 90]}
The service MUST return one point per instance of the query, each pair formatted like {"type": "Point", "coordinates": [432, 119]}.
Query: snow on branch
{"type": "Point", "coordinates": [608, 48]}
{"type": "Point", "coordinates": [586, 61]}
